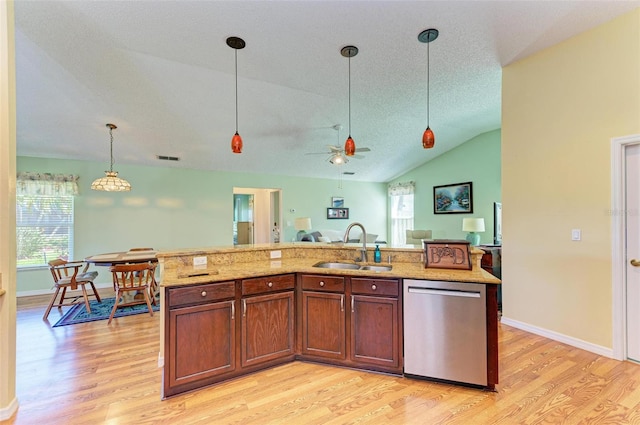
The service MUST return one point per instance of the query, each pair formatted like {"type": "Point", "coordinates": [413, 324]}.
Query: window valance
{"type": "Point", "coordinates": [402, 188]}
{"type": "Point", "coordinates": [29, 183]}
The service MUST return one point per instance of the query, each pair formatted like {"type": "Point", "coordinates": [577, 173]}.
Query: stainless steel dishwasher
{"type": "Point", "coordinates": [445, 331]}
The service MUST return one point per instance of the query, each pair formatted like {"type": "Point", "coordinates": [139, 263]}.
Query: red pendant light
{"type": "Point", "coordinates": [236, 43]}
{"type": "Point", "coordinates": [349, 144]}
{"type": "Point", "coordinates": [427, 36]}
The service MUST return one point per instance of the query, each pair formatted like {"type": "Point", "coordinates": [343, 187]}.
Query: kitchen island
{"type": "Point", "coordinates": [228, 311]}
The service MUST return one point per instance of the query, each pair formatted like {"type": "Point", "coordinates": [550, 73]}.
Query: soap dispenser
{"type": "Point", "coordinates": [377, 256]}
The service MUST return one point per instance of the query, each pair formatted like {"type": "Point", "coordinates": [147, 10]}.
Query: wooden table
{"type": "Point", "coordinates": [112, 258]}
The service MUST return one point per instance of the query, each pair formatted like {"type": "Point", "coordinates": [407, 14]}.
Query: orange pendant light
{"type": "Point", "coordinates": [236, 43]}
{"type": "Point", "coordinates": [349, 144]}
{"type": "Point", "coordinates": [427, 36]}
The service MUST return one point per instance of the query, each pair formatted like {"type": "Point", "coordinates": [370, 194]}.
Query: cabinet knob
{"type": "Point", "coordinates": [270, 284]}
{"type": "Point", "coordinates": [204, 293]}
{"type": "Point", "coordinates": [374, 287]}
{"type": "Point", "coordinates": [322, 283]}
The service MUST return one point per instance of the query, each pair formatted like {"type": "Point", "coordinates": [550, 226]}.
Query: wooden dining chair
{"type": "Point", "coordinates": [67, 276]}
{"type": "Point", "coordinates": [130, 280]}
{"type": "Point", "coordinates": [154, 283]}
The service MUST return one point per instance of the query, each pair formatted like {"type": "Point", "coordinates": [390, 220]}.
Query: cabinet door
{"type": "Point", "coordinates": [375, 331]}
{"type": "Point", "coordinates": [323, 325]}
{"type": "Point", "coordinates": [201, 341]}
{"type": "Point", "coordinates": [267, 328]}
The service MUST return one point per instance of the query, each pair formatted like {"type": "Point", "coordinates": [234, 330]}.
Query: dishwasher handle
{"type": "Point", "coordinates": [444, 292]}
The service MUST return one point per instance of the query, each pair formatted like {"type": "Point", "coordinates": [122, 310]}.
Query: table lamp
{"type": "Point", "coordinates": [302, 224]}
{"type": "Point", "coordinates": [473, 225]}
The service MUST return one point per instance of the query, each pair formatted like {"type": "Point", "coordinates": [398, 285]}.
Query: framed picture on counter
{"type": "Point", "coordinates": [337, 213]}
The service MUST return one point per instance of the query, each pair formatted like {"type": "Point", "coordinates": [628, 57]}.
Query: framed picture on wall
{"type": "Point", "coordinates": [453, 198]}
{"type": "Point", "coordinates": [337, 213]}
{"type": "Point", "coordinates": [337, 202]}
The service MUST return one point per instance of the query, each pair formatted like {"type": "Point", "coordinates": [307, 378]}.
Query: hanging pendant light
{"type": "Point", "coordinates": [349, 144]}
{"type": "Point", "coordinates": [427, 36]}
{"type": "Point", "coordinates": [111, 183]}
{"type": "Point", "coordinates": [236, 43]}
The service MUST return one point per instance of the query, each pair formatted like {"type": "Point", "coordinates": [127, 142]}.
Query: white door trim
{"type": "Point", "coordinates": [618, 249]}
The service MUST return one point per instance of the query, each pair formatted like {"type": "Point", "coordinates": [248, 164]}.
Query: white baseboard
{"type": "Point", "coordinates": [7, 412]}
{"type": "Point", "coordinates": [50, 291]}
{"type": "Point", "coordinates": [565, 339]}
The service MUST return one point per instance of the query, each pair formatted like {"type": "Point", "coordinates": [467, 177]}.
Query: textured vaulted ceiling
{"type": "Point", "coordinates": [162, 72]}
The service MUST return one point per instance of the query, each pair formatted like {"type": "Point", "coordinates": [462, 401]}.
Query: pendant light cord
{"type": "Point", "coordinates": [111, 149]}
{"type": "Point", "coordinates": [428, 66]}
{"type": "Point", "coordinates": [236, 52]}
{"type": "Point", "coordinates": [349, 96]}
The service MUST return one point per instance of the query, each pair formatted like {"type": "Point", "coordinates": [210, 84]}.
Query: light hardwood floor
{"type": "Point", "coordinates": [97, 374]}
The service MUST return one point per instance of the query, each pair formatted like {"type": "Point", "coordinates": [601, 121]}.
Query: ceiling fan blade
{"type": "Point", "coordinates": [318, 153]}
{"type": "Point", "coordinates": [363, 150]}
{"type": "Point", "coordinates": [358, 156]}
{"type": "Point", "coordinates": [334, 149]}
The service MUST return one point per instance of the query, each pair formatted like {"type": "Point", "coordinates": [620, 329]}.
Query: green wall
{"type": "Point", "coordinates": [173, 208]}
{"type": "Point", "coordinates": [477, 161]}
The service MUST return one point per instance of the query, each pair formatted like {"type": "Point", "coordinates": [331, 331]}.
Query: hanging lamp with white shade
{"type": "Point", "coordinates": [427, 36]}
{"type": "Point", "coordinates": [349, 144]}
{"type": "Point", "coordinates": [111, 182]}
{"type": "Point", "coordinates": [236, 43]}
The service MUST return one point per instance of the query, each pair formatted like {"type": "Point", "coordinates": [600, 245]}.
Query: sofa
{"type": "Point", "coordinates": [331, 236]}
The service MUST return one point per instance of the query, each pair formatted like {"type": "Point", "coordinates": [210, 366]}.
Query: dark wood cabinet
{"type": "Point", "coordinates": [268, 320]}
{"type": "Point", "coordinates": [353, 322]}
{"type": "Point", "coordinates": [323, 317]}
{"type": "Point", "coordinates": [205, 341]}
{"type": "Point", "coordinates": [201, 335]}
{"type": "Point", "coordinates": [376, 323]}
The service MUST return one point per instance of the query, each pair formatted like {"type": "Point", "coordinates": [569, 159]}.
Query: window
{"type": "Point", "coordinates": [401, 205]}
{"type": "Point", "coordinates": [44, 218]}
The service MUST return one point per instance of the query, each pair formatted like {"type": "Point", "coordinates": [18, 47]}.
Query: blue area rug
{"type": "Point", "coordinates": [101, 311]}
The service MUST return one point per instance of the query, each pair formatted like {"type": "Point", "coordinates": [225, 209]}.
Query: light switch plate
{"type": "Point", "coordinates": [576, 234]}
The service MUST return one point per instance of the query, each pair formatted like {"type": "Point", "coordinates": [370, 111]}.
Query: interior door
{"type": "Point", "coordinates": [632, 207]}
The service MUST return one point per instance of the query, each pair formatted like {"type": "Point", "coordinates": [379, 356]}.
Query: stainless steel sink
{"type": "Point", "coordinates": [376, 268]}
{"type": "Point", "coordinates": [351, 266]}
{"type": "Point", "coordinates": [332, 265]}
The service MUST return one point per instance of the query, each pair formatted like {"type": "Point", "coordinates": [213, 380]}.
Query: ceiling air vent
{"type": "Point", "coordinates": [167, 158]}
{"type": "Point", "coordinates": [348, 173]}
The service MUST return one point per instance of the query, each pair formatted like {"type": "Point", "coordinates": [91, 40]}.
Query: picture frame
{"type": "Point", "coordinates": [454, 198]}
{"type": "Point", "coordinates": [337, 213]}
{"type": "Point", "coordinates": [337, 202]}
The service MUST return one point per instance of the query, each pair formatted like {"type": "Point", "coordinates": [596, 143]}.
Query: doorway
{"type": "Point", "coordinates": [625, 231]}
{"type": "Point", "coordinates": [257, 214]}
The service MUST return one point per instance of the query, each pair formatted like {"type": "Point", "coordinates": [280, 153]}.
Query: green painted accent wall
{"type": "Point", "coordinates": [172, 208]}
{"type": "Point", "coordinates": [477, 161]}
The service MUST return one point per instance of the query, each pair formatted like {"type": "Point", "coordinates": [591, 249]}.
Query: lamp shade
{"type": "Point", "coordinates": [302, 223]}
{"type": "Point", "coordinates": [473, 224]}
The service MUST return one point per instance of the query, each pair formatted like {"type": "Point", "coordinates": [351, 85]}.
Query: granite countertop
{"type": "Point", "coordinates": [296, 258]}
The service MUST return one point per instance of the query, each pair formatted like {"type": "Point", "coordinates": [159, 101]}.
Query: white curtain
{"type": "Point", "coordinates": [46, 184]}
{"type": "Point", "coordinates": [401, 201]}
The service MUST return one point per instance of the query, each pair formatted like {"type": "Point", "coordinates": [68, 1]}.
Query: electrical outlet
{"type": "Point", "coordinates": [276, 254]}
{"type": "Point", "coordinates": [199, 261]}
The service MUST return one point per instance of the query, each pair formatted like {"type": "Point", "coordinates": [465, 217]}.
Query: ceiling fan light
{"type": "Point", "coordinates": [338, 159]}
{"type": "Point", "coordinates": [236, 143]}
{"type": "Point", "coordinates": [349, 147]}
{"type": "Point", "coordinates": [428, 139]}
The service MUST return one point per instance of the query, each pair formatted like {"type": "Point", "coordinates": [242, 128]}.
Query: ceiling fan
{"type": "Point", "coordinates": [336, 153]}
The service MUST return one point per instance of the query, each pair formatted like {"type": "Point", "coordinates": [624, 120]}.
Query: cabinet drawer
{"type": "Point", "coordinates": [386, 287]}
{"type": "Point", "coordinates": [323, 283]}
{"type": "Point", "coordinates": [201, 293]}
{"type": "Point", "coordinates": [261, 285]}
